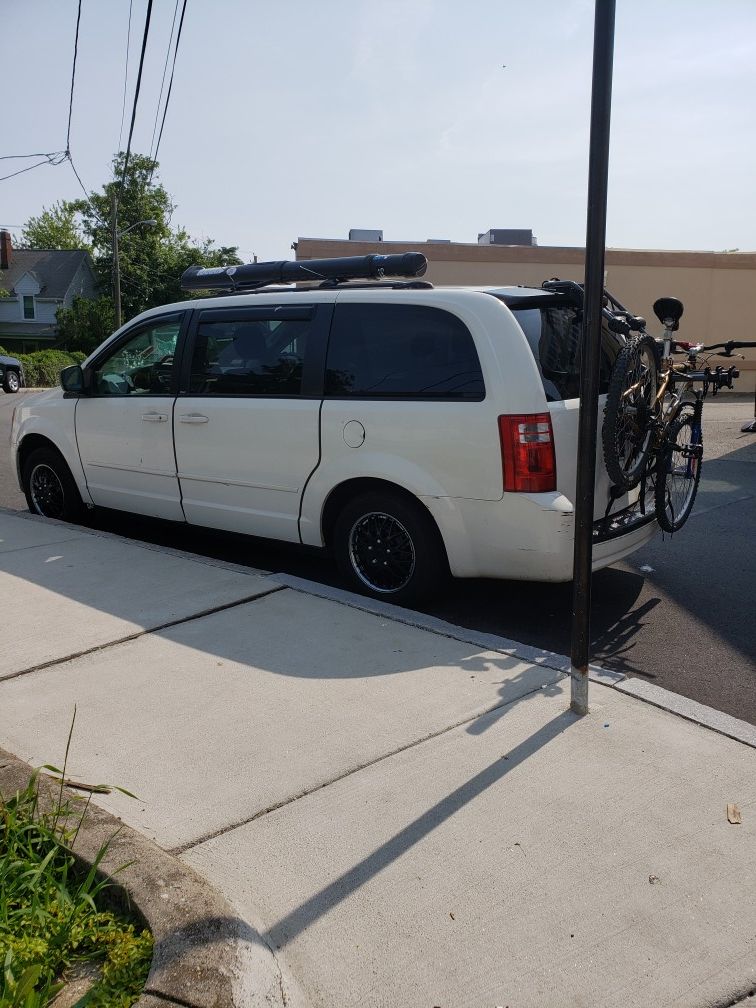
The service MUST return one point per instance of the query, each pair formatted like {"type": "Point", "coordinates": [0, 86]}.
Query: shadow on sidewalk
{"type": "Point", "coordinates": [299, 919]}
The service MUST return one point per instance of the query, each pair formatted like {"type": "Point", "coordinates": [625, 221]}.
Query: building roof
{"type": "Point", "coordinates": [53, 268]}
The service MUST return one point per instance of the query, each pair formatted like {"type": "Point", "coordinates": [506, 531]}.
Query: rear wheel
{"type": "Point", "coordinates": [627, 431]}
{"type": "Point", "coordinates": [679, 473]}
{"type": "Point", "coordinates": [387, 547]}
{"type": "Point", "coordinates": [49, 486]}
{"type": "Point", "coordinates": [11, 382]}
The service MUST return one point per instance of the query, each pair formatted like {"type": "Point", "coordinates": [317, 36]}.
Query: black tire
{"type": "Point", "coordinates": [626, 433]}
{"type": "Point", "coordinates": [12, 381]}
{"type": "Point", "coordinates": [679, 473]}
{"type": "Point", "coordinates": [50, 488]}
{"type": "Point", "coordinates": [413, 566]}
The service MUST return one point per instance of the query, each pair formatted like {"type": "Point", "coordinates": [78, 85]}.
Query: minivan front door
{"type": "Point", "coordinates": [124, 426]}
{"type": "Point", "coordinates": [247, 419]}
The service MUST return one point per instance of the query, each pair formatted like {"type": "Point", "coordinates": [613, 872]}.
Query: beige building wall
{"type": "Point", "coordinates": [718, 289]}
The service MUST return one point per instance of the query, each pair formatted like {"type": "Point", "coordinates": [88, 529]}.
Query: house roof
{"type": "Point", "coordinates": [53, 268]}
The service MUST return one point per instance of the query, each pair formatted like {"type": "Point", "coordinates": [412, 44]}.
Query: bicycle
{"type": "Point", "coordinates": [652, 429]}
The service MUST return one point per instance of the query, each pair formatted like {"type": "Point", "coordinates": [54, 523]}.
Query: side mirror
{"type": "Point", "coordinates": [72, 379]}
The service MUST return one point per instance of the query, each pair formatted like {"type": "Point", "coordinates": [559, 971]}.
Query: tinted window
{"type": "Point", "coordinates": [143, 365]}
{"type": "Point", "coordinates": [401, 351]}
{"type": "Point", "coordinates": [249, 357]}
{"type": "Point", "coordinates": [554, 336]}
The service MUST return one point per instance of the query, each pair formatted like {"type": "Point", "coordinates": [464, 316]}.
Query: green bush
{"type": "Point", "coordinates": [42, 368]}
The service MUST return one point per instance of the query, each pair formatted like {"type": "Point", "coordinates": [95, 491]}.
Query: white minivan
{"type": "Point", "coordinates": [411, 430]}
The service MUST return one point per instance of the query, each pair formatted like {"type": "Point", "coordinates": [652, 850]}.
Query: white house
{"type": "Point", "coordinates": [38, 282]}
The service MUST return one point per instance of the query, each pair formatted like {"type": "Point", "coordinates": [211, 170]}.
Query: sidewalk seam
{"type": "Point", "coordinates": [192, 844]}
{"type": "Point", "coordinates": [142, 633]}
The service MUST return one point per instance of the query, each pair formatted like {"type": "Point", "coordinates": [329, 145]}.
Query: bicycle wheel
{"type": "Point", "coordinates": [626, 432]}
{"type": "Point", "coordinates": [679, 474]}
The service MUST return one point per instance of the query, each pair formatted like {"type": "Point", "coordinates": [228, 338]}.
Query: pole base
{"type": "Point", "coordinates": [579, 692]}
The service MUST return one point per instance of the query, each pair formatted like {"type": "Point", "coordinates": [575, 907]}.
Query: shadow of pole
{"type": "Point", "coordinates": [299, 919]}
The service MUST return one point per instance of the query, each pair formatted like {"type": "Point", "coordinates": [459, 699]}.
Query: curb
{"type": "Point", "coordinates": [201, 957]}
{"type": "Point", "coordinates": [656, 696]}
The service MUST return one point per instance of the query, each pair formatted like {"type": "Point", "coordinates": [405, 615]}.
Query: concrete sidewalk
{"type": "Point", "coordinates": [404, 816]}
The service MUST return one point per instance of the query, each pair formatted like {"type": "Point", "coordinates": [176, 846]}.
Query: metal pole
{"type": "Point", "coordinates": [116, 259]}
{"type": "Point", "coordinates": [598, 170]}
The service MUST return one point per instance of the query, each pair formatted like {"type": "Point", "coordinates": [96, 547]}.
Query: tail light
{"type": "Point", "coordinates": [527, 452]}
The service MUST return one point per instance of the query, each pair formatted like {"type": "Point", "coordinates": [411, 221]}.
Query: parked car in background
{"type": "Point", "coordinates": [11, 373]}
{"type": "Point", "coordinates": [411, 430]}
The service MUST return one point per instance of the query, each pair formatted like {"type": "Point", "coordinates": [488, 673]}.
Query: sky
{"type": "Point", "coordinates": [424, 118]}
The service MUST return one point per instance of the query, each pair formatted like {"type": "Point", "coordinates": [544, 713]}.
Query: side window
{"type": "Point", "coordinates": [249, 357]}
{"type": "Point", "coordinates": [143, 365]}
{"type": "Point", "coordinates": [401, 351]}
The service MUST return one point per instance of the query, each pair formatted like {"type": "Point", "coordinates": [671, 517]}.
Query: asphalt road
{"type": "Point", "coordinates": [679, 612]}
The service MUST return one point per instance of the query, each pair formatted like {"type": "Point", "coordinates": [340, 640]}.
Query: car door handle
{"type": "Point", "coordinates": [193, 418]}
{"type": "Point", "coordinates": [155, 417]}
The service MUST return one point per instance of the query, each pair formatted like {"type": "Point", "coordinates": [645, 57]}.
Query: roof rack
{"type": "Point", "coordinates": [332, 272]}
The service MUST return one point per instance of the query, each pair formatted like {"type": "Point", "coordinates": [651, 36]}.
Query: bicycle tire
{"type": "Point", "coordinates": [626, 433]}
{"type": "Point", "coordinates": [677, 482]}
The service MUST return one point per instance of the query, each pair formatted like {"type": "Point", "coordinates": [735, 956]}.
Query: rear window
{"type": "Point", "coordinates": [554, 336]}
{"type": "Point", "coordinates": [401, 351]}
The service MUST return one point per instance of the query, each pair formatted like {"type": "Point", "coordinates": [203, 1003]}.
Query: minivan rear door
{"type": "Point", "coordinates": [553, 330]}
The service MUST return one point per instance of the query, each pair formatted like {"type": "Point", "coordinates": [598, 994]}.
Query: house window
{"type": "Point", "coordinates": [28, 306]}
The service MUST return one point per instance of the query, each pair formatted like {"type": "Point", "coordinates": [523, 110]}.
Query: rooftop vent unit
{"type": "Point", "coordinates": [365, 234]}
{"type": "Point", "coordinates": [507, 236]}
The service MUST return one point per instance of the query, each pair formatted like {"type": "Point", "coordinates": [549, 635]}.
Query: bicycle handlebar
{"type": "Point", "coordinates": [729, 346]}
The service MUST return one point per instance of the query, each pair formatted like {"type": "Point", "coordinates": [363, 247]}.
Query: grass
{"type": "Point", "coordinates": [54, 914]}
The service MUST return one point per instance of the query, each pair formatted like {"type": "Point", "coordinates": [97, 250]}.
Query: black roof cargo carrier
{"type": "Point", "coordinates": [331, 271]}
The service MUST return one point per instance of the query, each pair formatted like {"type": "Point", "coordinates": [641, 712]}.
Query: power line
{"type": "Point", "coordinates": [73, 76]}
{"type": "Point", "coordinates": [165, 70]}
{"type": "Point", "coordinates": [84, 190]}
{"type": "Point", "coordinates": [10, 157]}
{"type": "Point", "coordinates": [170, 85]}
{"type": "Point", "coordinates": [55, 159]}
{"type": "Point", "coordinates": [126, 76]}
{"type": "Point", "coordinates": [138, 85]}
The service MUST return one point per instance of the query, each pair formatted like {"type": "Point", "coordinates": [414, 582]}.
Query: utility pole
{"type": "Point", "coordinates": [116, 260]}
{"type": "Point", "coordinates": [598, 171]}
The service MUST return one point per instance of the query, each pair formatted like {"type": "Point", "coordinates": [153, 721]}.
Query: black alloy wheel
{"type": "Point", "coordinates": [387, 546]}
{"type": "Point", "coordinates": [49, 486]}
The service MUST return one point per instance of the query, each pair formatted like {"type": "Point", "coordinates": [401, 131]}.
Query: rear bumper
{"type": "Point", "coordinates": [530, 537]}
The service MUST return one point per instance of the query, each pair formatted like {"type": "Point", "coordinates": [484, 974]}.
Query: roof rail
{"type": "Point", "coordinates": [252, 276]}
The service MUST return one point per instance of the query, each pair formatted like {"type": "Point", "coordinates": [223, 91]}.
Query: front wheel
{"type": "Point", "coordinates": [12, 382]}
{"type": "Point", "coordinates": [49, 486]}
{"type": "Point", "coordinates": [389, 548]}
{"type": "Point", "coordinates": [679, 472]}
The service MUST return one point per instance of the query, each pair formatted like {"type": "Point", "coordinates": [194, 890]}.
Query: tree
{"type": "Point", "coordinates": [152, 257]}
{"type": "Point", "coordinates": [86, 323]}
{"type": "Point", "coordinates": [55, 228]}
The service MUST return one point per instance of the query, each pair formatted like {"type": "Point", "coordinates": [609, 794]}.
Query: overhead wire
{"type": "Point", "coordinates": [170, 84]}
{"type": "Point", "coordinates": [138, 86]}
{"type": "Point", "coordinates": [73, 77]}
{"type": "Point", "coordinates": [165, 70]}
{"type": "Point", "coordinates": [43, 154]}
{"type": "Point", "coordinates": [126, 75]}
{"type": "Point", "coordinates": [49, 159]}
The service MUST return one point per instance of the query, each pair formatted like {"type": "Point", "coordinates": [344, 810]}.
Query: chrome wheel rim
{"type": "Point", "coordinates": [13, 382]}
{"type": "Point", "coordinates": [46, 491]}
{"type": "Point", "coordinates": [381, 552]}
